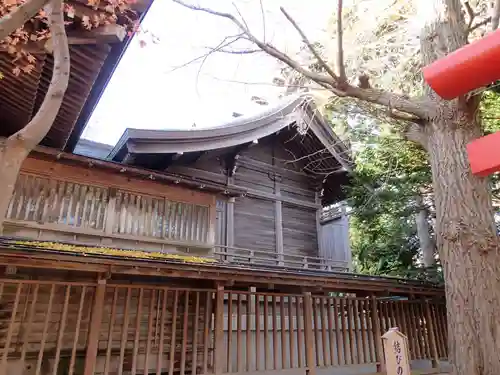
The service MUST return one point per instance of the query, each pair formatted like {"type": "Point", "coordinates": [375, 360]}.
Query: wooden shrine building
{"type": "Point", "coordinates": [194, 252]}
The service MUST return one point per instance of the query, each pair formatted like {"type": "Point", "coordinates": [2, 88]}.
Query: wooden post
{"type": "Point", "coordinates": [432, 336]}
{"type": "Point", "coordinates": [308, 335]}
{"type": "Point", "coordinates": [253, 290]}
{"type": "Point", "coordinates": [110, 212]}
{"type": "Point", "coordinates": [278, 217]}
{"type": "Point", "coordinates": [219, 353]}
{"type": "Point", "coordinates": [379, 355]}
{"type": "Point", "coordinates": [95, 327]}
{"type": "Point", "coordinates": [213, 223]}
{"type": "Point", "coordinates": [317, 200]}
{"type": "Point", "coordinates": [230, 227]}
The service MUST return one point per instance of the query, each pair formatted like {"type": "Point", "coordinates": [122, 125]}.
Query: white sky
{"type": "Point", "coordinates": [145, 93]}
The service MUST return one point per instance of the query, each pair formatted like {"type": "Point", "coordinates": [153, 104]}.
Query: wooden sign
{"type": "Point", "coordinates": [397, 355]}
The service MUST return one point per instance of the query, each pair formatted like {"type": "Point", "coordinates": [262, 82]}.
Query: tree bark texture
{"type": "Point", "coordinates": [427, 244]}
{"type": "Point", "coordinates": [17, 147]}
{"type": "Point", "coordinates": [466, 235]}
{"type": "Point", "coordinates": [468, 247]}
{"type": "Point", "coordinates": [12, 155]}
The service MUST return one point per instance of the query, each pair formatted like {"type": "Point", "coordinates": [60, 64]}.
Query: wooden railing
{"type": "Point", "coordinates": [55, 204]}
{"type": "Point", "coordinates": [110, 328]}
{"type": "Point", "coordinates": [129, 219]}
{"type": "Point", "coordinates": [271, 331]}
{"type": "Point", "coordinates": [259, 258]}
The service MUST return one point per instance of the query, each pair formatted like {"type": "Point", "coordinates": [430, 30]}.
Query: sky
{"type": "Point", "coordinates": [154, 88]}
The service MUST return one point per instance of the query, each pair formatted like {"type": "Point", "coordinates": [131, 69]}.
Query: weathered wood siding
{"type": "Point", "coordinates": [254, 224]}
{"type": "Point", "coordinates": [271, 175]}
{"type": "Point", "coordinates": [334, 236]}
{"type": "Point", "coordinates": [299, 231]}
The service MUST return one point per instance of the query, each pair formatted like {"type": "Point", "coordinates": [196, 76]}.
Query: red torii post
{"type": "Point", "coordinates": [470, 67]}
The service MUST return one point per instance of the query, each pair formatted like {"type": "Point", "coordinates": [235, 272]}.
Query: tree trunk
{"type": "Point", "coordinates": [12, 155]}
{"type": "Point", "coordinates": [468, 247]}
{"type": "Point", "coordinates": [427, 244]}
{"type": "Point", "coordinates": [15, 149]}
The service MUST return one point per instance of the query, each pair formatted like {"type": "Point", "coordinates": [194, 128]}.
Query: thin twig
{"type": "Point", "coordinates": [266, 47]}
{"type": "Point", "coordinates": [217, 48]}
{"type": "Point", "coordinates": [263, 20]}
{"type": "Point", "coordinates": [471, 14]}
{"type": "Point", "coordinates": [340, 46]}
{"type": "Point", "coordinates": [309, 45]}
{"type": "Point", "coordinates": [241, 15]}
{"type": "Point", "coordinates": [422, 107]}
{"type": "Point", "coordinates": [240, 52]}
{"type": "Point", "coordinates": [479, 24]}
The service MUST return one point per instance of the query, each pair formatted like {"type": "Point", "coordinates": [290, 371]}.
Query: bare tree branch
{"type": "Point", "coordinates": [37, 128]}
{"type": "Point", "coordinates": [415, 133]}
{"type": "Point", "coordinates": [479, 24]}
{"type": "Point", "coordinates": [263, 20]}
{"type": "Point", "coordinates": [212, 50]}
{"type": "Point", "coordinates": [240, 52]}
{"type": "Point", "coordinates": [266, 47]}
{"type": "Point", "coordinates": [471, 14]}
{"type": "Point", "coordinates": [14, 20]}
{"type": "Point", "coordinates": [495, 17]}
{"type": "Point", "coordinates": [420, 107]}
{"type": "Point", "coordinates": [340, 44]}
{"type": "Point", "coordinates": [241, 15]}
{"type": "Point", "coordinates": [310, 45]}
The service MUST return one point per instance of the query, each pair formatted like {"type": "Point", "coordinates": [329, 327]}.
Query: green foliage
{"type": "Point", "coordinates": [389, 173]}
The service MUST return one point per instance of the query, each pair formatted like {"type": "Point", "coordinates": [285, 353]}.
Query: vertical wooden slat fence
{"type": "Point", "coordinates": [267, 331]}
{"type": "Point", "coordinates": [47, 327]}
{"type": "Point", "coordinates": [51, 327]}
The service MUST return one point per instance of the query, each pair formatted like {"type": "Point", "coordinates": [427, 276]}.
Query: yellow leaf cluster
{"type": "Point", "coordinates": [114, 252]}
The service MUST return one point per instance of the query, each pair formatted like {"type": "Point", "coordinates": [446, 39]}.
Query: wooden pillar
{"type": "Point", "coordinates": [219, 352]}
{"type": "Point", "coordinates": [110, 211]}
{"type": "Point", "coordinates": [95, 327]}
{"type": "Point", "coordinates": [308, 335]}
{"type": "Point", "coordinates": [278, 209]}
{"type": "Point", "coordinates": [252, 299]}
{"type": "Point", "coordinates": [278, 219]}
{"type": "Point", "coordinates": [230, 227]}
{"type": "Point", "coordinates": [379, 351]}
{"type": "Point", "coordinates": [317, 200]}
{"type": "Point", "coordinates": [432, 336]}
{"type": "Point", "coordinates": [230, 222]}
{"type": "Point", "coordinates": [213, 222]}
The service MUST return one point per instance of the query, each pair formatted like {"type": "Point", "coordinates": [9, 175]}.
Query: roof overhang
{"type": "Point", "coordinates": [160, 149]}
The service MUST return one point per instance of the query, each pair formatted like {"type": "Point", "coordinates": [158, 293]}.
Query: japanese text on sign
{"type": "Point", "coordinates": [396, 353]}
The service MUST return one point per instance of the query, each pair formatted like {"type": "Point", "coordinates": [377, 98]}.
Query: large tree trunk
{"type": "Point", "coordinates": [468, 247]}
{"type": "Point", "coordinates": [467, 240]}
{"type": "Point", "coordinates": [12, 154]}
{"type": "Point", "coordinates": [15, 149]}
